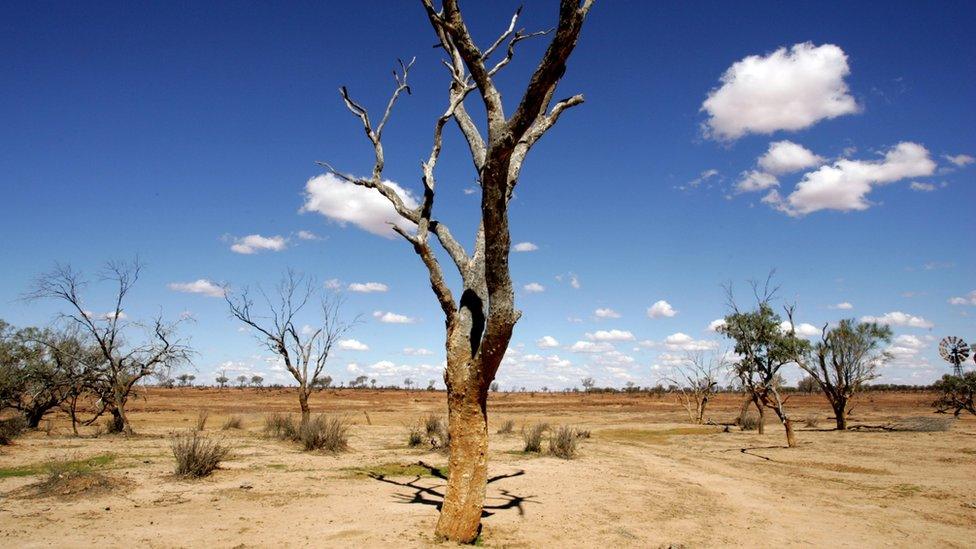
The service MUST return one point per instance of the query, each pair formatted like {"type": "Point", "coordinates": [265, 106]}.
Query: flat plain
{"type": "Point", "coordinates": [645, 477]}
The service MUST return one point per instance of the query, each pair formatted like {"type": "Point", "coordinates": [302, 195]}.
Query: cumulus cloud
{"type": "Point", "coordinates": [606, 313]}
{"type": "Point", "coordinates": [684, 342]}
{"type": "Point", "coordinates": [308, 235]}
{"type": "Point", "coordinates": [200, 286]}
{"type": "Point", "coordinates": [959, 160]}
{"type": "Point", "coordinates": [714, 325]}
{"type": "Point", "coordinates": [254, 243]}
{"type": "Point", "coordinates": [753, 181]}
{"type": "Point", "coordinates": [353, 345]}
{"type": "Point", "coordinates": [591, 347]}
{"type": "Point", "coordinates": [898, 318]}
{"type": "Point", "coordinates": [968, 299]}
{"type": "Point", "coordinates": [547, 342]}
{"type": "Point", "coordinates": [785, 90]}
{"type": "Point", "coordinates": [661, 309]}
{"type": "Point", "coordinates": [845, 184]}
{"type": "Point", "coordinates": [610, 335]}
{"type": "Point", "coordinates": [525, 247]}
{"type": "Point", "coordinates": [784, 157]}
{"type": "Point", "coordinates": [416, 351]}
{"type": "Point", "coordinates": [392, 318]}
{"type": "Point", "coordinates": [802, 329]}
{"type": "Point", "coordinates": [368, 287]}
{"type": "Point", "coordinates": [344, 202]}
{"type": "Point", "coordinates": [534, 288]}
{"type": "Point", "coordinates": [843, 306]}
{"type": "Point", "coordinates": [333, 284]}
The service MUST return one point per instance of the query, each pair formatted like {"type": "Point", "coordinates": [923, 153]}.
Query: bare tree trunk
{"type": "Point", "coordinates": [840, 413]}
{"type": "Point", "coordinates": [790, 437]}
{"type": "Point", "coordinates": [762, 417]}
{"type": "Point", "coordinates": [460, 518]}
{"type": "Point", "coordinates": [303, 402]}
{"type": "Point", "coordinates": [118, 421]}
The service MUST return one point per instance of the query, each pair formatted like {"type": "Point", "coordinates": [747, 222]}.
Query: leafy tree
{"type": "Point", "coordinates": [957, 393]}
{"type": "Point", "coordinates": [807, 385]}
{"type": "Point", "coordinates": [846, 357]}
{"type": "Point", "coordinates": [257, 380]}
{"type": "Point", "coordinates": [588, 383]}
{"type": "Point", "coordinates": [222, 379]}
{"type": "Point", "coordinates": [241, 381]}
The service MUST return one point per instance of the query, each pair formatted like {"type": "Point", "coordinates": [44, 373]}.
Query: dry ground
{"type": "Point", "coordinates": [645, 478]}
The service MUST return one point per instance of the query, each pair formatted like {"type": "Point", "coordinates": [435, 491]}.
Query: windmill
{"type": "Point", "coordinates": [954, 351]}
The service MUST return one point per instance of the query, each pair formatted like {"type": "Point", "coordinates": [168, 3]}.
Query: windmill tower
{"type": "Point", "coordinates": [955, 351]}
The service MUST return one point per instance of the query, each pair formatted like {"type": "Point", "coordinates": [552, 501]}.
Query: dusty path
{"type": "Point", "coordinates": [644, 479]}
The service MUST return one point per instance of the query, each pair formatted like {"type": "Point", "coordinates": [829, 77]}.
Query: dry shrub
{"type": "Point", "coordinates": [280, 426]}
{"type": "Point", "coordinates": [533, 437]}
{"type": "Point", "coordinates": [202, 416]}
{"type": "Point", "coordinates": [233, 422]}
{"type": "Point", "coordinates": [749, 422]}
{"type": "Point", "coordinates": [330, 434]}
{"type": "Point", "coordinates": [435, 431]}
{"type": "Point", "coordinates": [811, 422]}
{"type": "Point", "coordinates": [197, 455]}
{"type": "Point", "coordinates": [563, 442]}
{"type": "Point", "coordinates": [415, 437]}
{"type": "Point", "coordinates": [63, 480]}
{"type": "Point", "coordinates": [507, 428]}
{"type": "Point", "coordinates": [11, 428]}
{"type": "Point", "coordinates": [582, 433]}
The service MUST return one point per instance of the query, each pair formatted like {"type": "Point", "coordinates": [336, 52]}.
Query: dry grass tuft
{"type": "Point", "coordinates": [811, 422]}
{"type": "Point", "coordinates": [749, 422]}
{"type": "Point", "coordinates": [507, 428]}
{"type": "Point", "coordinates": [532, 437]}
{"type": "Point", "coordinates": [197, 455]}
{"type": "Point", "coordinates": [280, 426]}
{"type": "Point", "coordinates": [233, 422]}
{"type": "Point", "coordinates": [563, 442]}
{"type": "Point", "coordinates": [330, 434]}
{"type": "Point", "coordinates": [202, 416]}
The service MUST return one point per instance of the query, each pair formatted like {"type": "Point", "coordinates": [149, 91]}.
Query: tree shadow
{"type": "Point", "coordinates": [429, 495]}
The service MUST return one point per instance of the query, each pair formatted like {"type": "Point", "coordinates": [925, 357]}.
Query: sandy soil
{"type": "Point", "coordinates": [645, 478]}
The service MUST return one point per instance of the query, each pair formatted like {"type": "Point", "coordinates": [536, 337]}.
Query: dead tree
{"type": "Point", "coordinates": [846, 357]}
{"type": "Point", "coordinates": [697, 380]}
{"type": "Point", "coordinates": [304, 352]}
{"type": "Point", "coordinates": [480, 321]}
{"type": "Point", "coordinates": [763, 348]}
{"type": "Point", "coordinates": [121, 364]}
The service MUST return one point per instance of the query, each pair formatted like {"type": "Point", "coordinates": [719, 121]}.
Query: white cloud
{"type": "Point", "coordinates": [591, 347]}
{"type": "Point", "coordinates": [333, 284]}
{"type": "Point", "coordinates": [969, 299]}
{"type": "Point", "coordinates": [785, 90]}
{"type": "Point", "coordinates": [661, 309]}
{"type": "Point", "coordinates": [368, 287]}
{"type": "Point", "coordinates": [714, 325]}
{"type": "Point", "coordinates": [684, 342]}
{"type": "Point", "coordinates": [898, 318]}
{"type": "Point", "coordinates": [959, 160]}
{"type": "Point", "coordinates": [843, 306]}
{"type": "Point", "coordinates": [308, 235]}
{"type": "Point", "coordinates": [254, 243]}
{"type": "Point", "coordinates": [753, 181]}
{"type": "Point", "coordinates": [802, 329]}
{"type": "Point", "coordinates": [416, 351]}
{"type": "Point", "coordinates": [922, 187]}
{"type": "Point", "coordinates": [201, 286]}
{"type": "Point", "coordinates": [844, 185]}
{"type": "Point", "coordinates": [703, 177]}
{"type": "Point", "coordinates": [353, 345]}
{"type": "Point", "coordinates": [606, 313]}
{"type": "Point", "coordinates": [610, 335]}
{"type": "Point", "coordinates": [534, 288]}
{"type": "Point", "coordinates": [574, 281]}
{"type": "Point", "coordinates": [392, 318]}
{"type": "Point", "coordinates": [784, 157]}
{"type": "Point", "coordinates": [345, 202]}
{"type": "Point", "coordinates": [547, 342]}
{"type": "Point", "coordinates": [525, 247]}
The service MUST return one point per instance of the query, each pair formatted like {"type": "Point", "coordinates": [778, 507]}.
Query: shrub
{"type": "Point", "coordinates": [533, 437]}
{"type": "Point", "coordinates": [280, 426]}
{"type": "Point", "coordinates": [196, 455]}
{"type": "Point", "coordinates": [202, 416]}
{"type": "Point", "coordinates": [811, 421]}
{"type": "Point", "coordinates": [233, 422]}
{"type": "Point", "coordinates": [749, 422]}
{"type": "Point", "coordinates": [324, 433]}
{"type": "Point", "coordinates": [563, 442]}
{"type": "Point", "coordinates": [582, 433]}
{"type": "Point", "coordinates": [10, 428]}
{"type": "Point", "coordinates": [112, 427]}
{"type": "Point", "coordinates": [507, 428]}
{"type": "Point", "coordinates": [435, 430]}
{"type": "Point", "coordinates": [415, 437]}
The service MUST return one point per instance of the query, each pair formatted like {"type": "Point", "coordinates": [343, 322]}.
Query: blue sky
{"type": "Point", "coordinates": [174, 130]}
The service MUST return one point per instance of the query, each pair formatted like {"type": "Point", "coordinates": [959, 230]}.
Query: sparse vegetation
{"type": "Point", "coordinates": [233, 422]}
{"type": "Point", "coordinates": [532, 437]}
{"type": "Point", "coordinates": [563, 442]}
{"type": "Point", "coordinates": [415, 437]}
{"type": "Point", "coordinates": [329, 434]}
{"type": "Point", "coordinates": [197, 455]}
{"type": "Point", "coordinates": [507, 428]}
{"type": "Point", "coordinates": [11, 428]}
{"type": "Point", "coordinates": [749, 421]}
{"type": "Point", "coordinates": [202, 416]}
{"type": "Point", "coordinates": [280, 426]}
{"type": "Point", "coordinates": [956, 394]}
{"type": "Point", "coordinates": [811, 422]}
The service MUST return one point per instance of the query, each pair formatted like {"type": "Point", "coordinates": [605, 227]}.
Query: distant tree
{"type": "Point", "coordinates": [184, 379]}
{"type": "Point", "coordinates": [807, 385]}
{"type": "Point", "coordinates": [222, 379]}
{"type": "Point", "coordinates": [588, 383]}
{"type": "Point", "coordinates": [359, 382]}
{"type": "Point", "coordinates": [372, 383]}
{"type": "Point", "coordinates": [241, 381]}
{"type": "Point", "coordinates": [764, 348]}
{"type": "Point", "coordinates": [407, 383]}
{"type": "Point", "coordinates": [956, 393]}
{"type": "Point", "coordinates": [124, 360]}
{"type": "Point", "coordinates": [303, 351]}
{"type": "Point", "coordinates": [257, 380]}
{"type": "Point", "coordinates": [323, 382]}
{"type": "Point", "coordinates": [696, 379]}
{"type": "Point", "coordinates": [494, 386]}
{"type": "Point", "coordinates": [846, 357]}
{"type": "Point", "coordinates": [430, 385]}
{"type": "Point", "coordinates": [545, 389]}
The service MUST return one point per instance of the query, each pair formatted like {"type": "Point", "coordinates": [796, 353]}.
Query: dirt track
{"type": "Point", "coordinates": [644, 478]}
